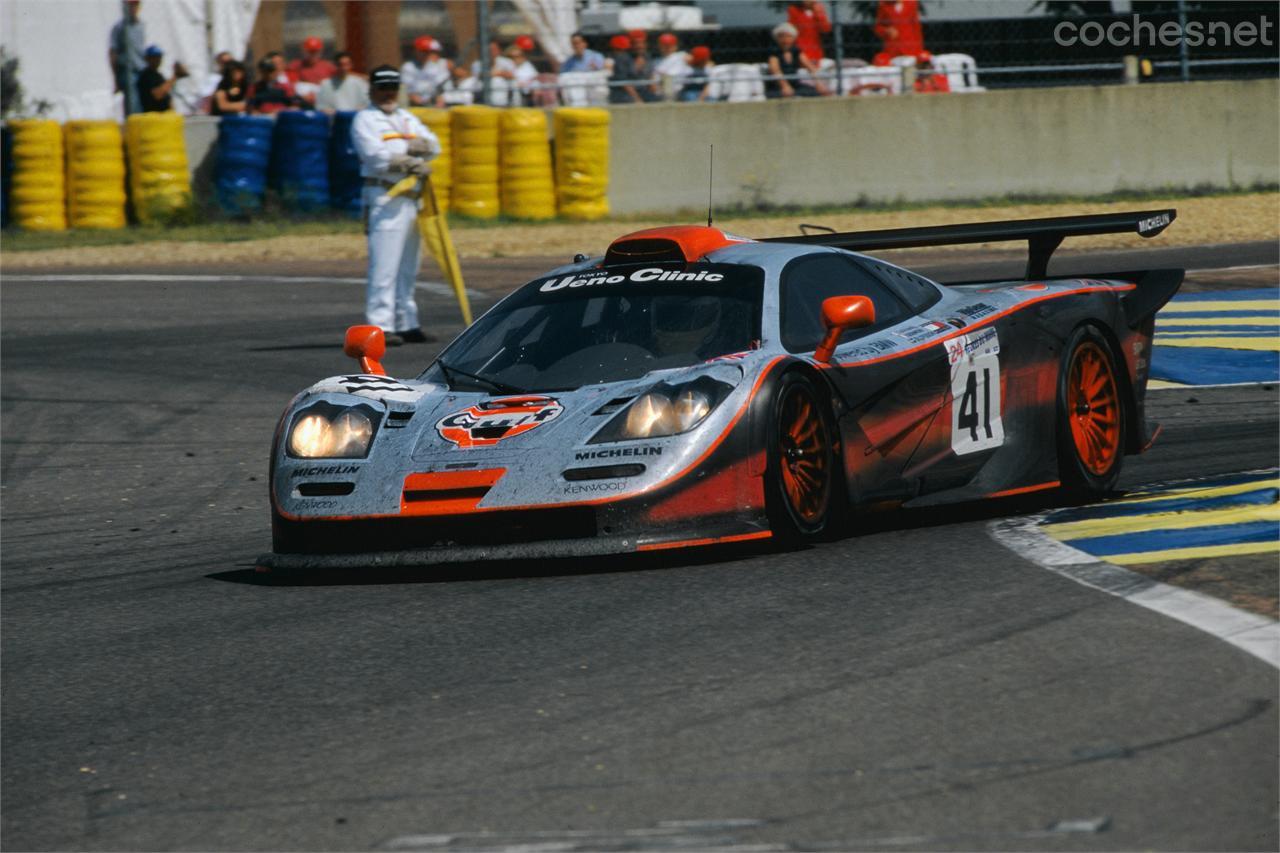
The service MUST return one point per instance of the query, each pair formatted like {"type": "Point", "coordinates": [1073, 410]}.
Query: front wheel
{"type": "Point", "coordinates": [1091, 416]}
{"type": "Point", "coordinates": [801, 473]}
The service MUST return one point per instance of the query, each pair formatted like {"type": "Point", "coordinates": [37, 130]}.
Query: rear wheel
{"type": "Point", "coordinates": [1091, 416]}
{"type": "Point", "coordinates": [801, 472]}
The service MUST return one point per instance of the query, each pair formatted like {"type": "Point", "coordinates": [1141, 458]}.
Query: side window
{"type": "Point", "coordinates": [918, 292]}
{"type": "Point", "coordinates": [809, 280]}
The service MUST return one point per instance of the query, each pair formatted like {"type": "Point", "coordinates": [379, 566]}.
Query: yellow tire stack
{"type": "Point", "coordinates": [39, 191]}
{"type": "Point", "coordinates": [582, 162]}
{"type": "Point", "coordinates": [158, 178]}
{"type": "Point", "coordinates": [95, 174]}
{"type": "Point", "coordinates": [526, 177]}
{"type": "Point", "coordinates": [475, 162]}
{"type": "Point", "coordinates": [438, 122]}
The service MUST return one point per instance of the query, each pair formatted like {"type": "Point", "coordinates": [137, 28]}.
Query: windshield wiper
{"type": "Point", "coordinates": [494, 385]}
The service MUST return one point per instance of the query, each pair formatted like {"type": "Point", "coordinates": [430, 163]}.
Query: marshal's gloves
{"type": "Point", "coordinates": [418, 147]}
{"type": "Point", "coordinates": [412, 165]}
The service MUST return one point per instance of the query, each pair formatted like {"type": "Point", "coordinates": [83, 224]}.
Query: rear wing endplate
{"type": "Point", "coordinates": [1043, 236]}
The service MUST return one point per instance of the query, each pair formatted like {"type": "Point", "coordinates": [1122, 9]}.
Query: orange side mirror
{"type": "Point", "coordinates": [367, 345]}
{"type": "Point", "coordinates": [839, 314]}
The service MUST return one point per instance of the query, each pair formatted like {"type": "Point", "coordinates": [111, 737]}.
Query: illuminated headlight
{"type": "Point", "coordinates": [325, 431]}
{"type": "Point", "coordinates": [665, 410]}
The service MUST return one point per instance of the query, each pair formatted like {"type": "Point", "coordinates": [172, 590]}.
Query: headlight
{"type": "Point", "coordinates": [326, 431]}
{"type": "Point", "coordinates": [665, 410]}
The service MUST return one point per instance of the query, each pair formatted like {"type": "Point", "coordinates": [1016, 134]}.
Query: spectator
{"type": "Point", "coordinates": [641, 61]}
{"type": "Point", "coordinates": [898, 26]}
{"type": "Point", "coordinates": [525, 75]}
{"type": "Point", "coordinates": [786, 61]}
{"type": "Point", "coordinates": [928, 79]}
{"type": "Point", "coordinates": [125, 50]}
{"type": "Point", "coordinates": [281, 73]}
{"type": "Point", "coordinates": [458, 90]}
{"type": "Point", "coordinates": [671, 66]}
{"type": "Point", "coordinates": [345, 90]}
{"type": "Point", "coordinates": [215, 75]}
{"type": "Point", "coordinates": [809, 17]}
{"type": "Point", "coordinates": [153, 89]}
{"type": "Point", "coordinates": [583, 58]}
{"type": "Point", "coordinates": [268, 94]}
{"type": "Point", "coordinates": [423, 75]}
{"type": "Point", "coordinates": [621, 72]}
{"type": "Point", "coordinates": [502, 73]}
{"type": "Point", "coordinates": [232, 94]}
{"type": "Point", "coordinates": [697, 83]}
{"type": "Point", "coordinates": [306, 74]}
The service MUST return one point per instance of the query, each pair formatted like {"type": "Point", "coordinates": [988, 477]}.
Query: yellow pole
{"type": "Point", "coordinates": [435, 236]}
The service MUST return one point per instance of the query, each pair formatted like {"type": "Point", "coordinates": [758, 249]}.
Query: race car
{"type": "Point", "coordinates": [691, 387]}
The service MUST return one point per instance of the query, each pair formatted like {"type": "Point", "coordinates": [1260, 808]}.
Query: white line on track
{"type": "Point", "coordinates": [1223, 385]}
{"type": "Point", "coordinates": [1229, 269]}
{"type": "Point", "coordinates": [1255, 634]}
{"type": "Point", "coordinates": [436, 287]}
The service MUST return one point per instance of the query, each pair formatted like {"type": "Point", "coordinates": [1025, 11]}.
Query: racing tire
{"type": "Point", "coordinates": [1090, 416]}
{"type": "Point", "coordinates": [801, 492]}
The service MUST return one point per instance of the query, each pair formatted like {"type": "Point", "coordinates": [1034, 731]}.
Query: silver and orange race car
{"type": "Point", "coordinates": [691, 387]}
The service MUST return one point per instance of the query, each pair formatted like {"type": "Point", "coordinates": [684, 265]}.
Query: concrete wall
{"type": "Point", "coordinates": [1085, 141]}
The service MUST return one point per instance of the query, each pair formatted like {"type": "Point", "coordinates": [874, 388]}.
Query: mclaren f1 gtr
{"type": "Point", "coordinates": [692, 387]}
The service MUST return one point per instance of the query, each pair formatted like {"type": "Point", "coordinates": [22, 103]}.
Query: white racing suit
{"type": "Point", "coordinates": [391, 223]}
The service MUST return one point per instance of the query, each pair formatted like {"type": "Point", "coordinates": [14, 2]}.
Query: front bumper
{"type": "Point", "coordinates": [557, 538]}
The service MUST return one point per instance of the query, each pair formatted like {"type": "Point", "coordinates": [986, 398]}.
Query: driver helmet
{"type": "Point", "coordinates": [683, 323]}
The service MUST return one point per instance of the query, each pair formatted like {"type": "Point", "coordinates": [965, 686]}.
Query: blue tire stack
{"type": "Point", "coordinates": [344, 166]}
{"type": "Point", "coordinates": [240, 173]}
{"type": "Point", "coordinates": [301, 149]}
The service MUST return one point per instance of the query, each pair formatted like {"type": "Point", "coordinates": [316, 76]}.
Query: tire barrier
{"type": "Point", "coordinates": [158, 178]}
{"type": "Point", "coordinates": [240, 172]}
{"type": "Point", "coordinates": [475, 162]}
{"type": "Point", "coordinates": [95, 174]}
{"type": "Point", "coordinates": [439, 123]}
{"type": "Point", "coordinates": [582, 162]}
{"type": "Point", "coordinates": [345, 185]}
{"type": "Point", "coordinates": [526, 179]}
{"type": "Point", "coordinates": [300, 149]}
{"type": "Point", "coordinates": [38, 193]}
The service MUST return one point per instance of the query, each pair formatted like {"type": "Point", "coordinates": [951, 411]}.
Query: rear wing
{"type": "Point", "coordinates": [1043, 236]}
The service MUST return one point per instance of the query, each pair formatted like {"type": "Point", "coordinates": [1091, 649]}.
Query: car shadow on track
{"type": "Point", "coordinates": [865, 524]}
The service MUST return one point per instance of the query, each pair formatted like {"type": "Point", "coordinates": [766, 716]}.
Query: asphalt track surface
{"type": "Point", "coordinates": [912, 685]}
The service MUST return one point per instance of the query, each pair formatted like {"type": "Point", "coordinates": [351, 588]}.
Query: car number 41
{"type": "Point", "coordinates": [975, 405]}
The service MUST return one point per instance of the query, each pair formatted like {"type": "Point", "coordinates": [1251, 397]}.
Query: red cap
{"type": "Point", "coordinates": [701, 53]}
{"type": "Point", "coordinates": [525, 43]}
{"type": "Point", "coordinates": [620, 43]}
{"type": "Point", "coordinates": [882, 59]}
{"type": "Point", "coordinates": [312, 44]}
{"type": "Point", "coordinates": [638, 35]}
{"type": "Point", "coordinates": [924, 57]}
{"type": "Point", "coordinates": [668, 38]}
{"type": "Point", "coordinates": [426, 44]}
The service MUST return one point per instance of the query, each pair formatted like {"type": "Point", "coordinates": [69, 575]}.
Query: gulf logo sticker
{"type": "Point", "coordinates": [492, 421]}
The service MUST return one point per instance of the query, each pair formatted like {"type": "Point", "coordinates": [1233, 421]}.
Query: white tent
{"type": "Point", "coordinates": [61, 46]}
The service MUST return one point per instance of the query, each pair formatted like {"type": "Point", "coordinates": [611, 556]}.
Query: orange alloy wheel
{"type": "Point", "coordinates": [1093, 408]}
{"type": "Point", "coordinates": [803, 458]}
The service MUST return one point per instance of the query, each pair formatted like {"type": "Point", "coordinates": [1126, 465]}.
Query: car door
{"type": "Point", "coordinates": [890, 399]}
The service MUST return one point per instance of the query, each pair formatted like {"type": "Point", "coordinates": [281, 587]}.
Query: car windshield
{"type": "Point", "coordinates": [566, 331]}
